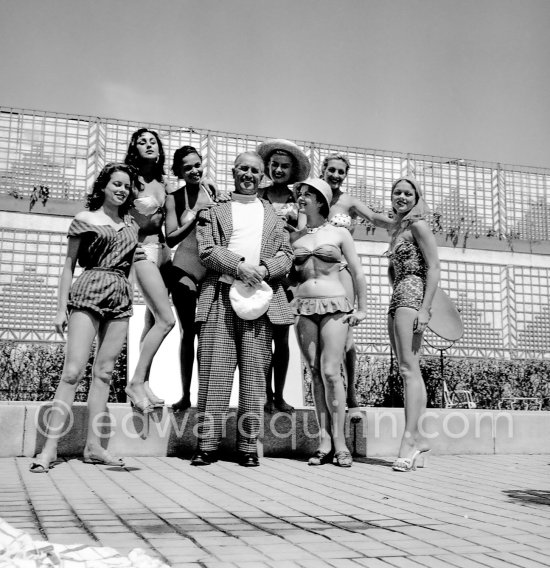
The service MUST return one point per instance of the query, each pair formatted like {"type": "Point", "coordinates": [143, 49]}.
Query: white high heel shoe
{"type": "Point", "coordinates": [410, 464]}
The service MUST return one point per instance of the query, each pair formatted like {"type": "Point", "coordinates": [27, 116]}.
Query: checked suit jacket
{"type": "Point", "coordinates": [214, 229]}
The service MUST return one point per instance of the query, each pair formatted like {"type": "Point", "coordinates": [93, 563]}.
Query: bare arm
{"type": "Point", "coordinates": [367, 213]}
{"type": "Point", "coordinates": [359, 282]}
{"type": "Point", "coordinates": [426, 241]}
{"type": "Point", "coordinates": [65, 281]}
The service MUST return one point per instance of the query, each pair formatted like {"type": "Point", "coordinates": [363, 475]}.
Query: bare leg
{"type": "Point", "coordinates": [351, 364]}
{"type": "Point", "coordinates": [407, 348]}
{"type": "Point", "coordinates": [350, 357]}
{"type": "Point", "coordinates": [155, 294]}
{"type": "Point", "coordinates": [81, 331]}
{"type": "Point", "coordinates": [322, 345]}
{"type": "Point", "coordinates": [184, 297]}
{"type": "Point", "coordinates": [307, 331]}
{"type": "Point", "coordinates": [332, 341]}
{"type": "Point", "coordinates": [111, 338]}
{"type": "Point", "coordinates": [281, 355]}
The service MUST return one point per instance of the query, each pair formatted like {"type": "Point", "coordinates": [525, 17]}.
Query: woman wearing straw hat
{"type": "Point", "coordinates": [284, 164]}
{"type": "Point", "coordinates": [324, 313]}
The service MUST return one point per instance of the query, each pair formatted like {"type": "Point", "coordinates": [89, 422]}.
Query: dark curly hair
{"type": "Point", "coordinates": [179, 154]}
{"type": "Point", "coordinates": [134, 159]}
{"type": "Point", "coordinates": [95, 199]}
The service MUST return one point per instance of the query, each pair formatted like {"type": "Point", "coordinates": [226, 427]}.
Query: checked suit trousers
{"type": "Point", "coordinates": [225, 342]}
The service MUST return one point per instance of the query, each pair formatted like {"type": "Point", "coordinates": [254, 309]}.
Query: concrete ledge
{"type": "Point", "coordinates": [165, 433]}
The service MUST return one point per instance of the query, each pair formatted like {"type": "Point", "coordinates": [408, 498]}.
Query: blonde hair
{"type": "Point", "coordinates": [335, 156]}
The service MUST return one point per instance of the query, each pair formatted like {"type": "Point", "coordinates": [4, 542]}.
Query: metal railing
{"type": "Point", "coordinates": [479, 199]}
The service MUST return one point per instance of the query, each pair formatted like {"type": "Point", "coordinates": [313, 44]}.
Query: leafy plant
{"type": "Point", "coordinates": [32, 372]}
{"type": "Point", "coordinates": [377, 382]}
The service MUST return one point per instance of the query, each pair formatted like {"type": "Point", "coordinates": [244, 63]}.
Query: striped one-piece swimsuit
{"type": "Point", "coordinates": [106, 254]}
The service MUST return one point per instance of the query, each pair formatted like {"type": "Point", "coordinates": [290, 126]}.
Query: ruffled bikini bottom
{"type": "Point", "coordinates": [320, 306]}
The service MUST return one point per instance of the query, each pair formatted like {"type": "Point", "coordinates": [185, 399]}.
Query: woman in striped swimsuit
{"type": "Point", "coordinates": [99, 304]}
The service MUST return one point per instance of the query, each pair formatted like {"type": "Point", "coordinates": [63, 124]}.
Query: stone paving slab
{"type": "Point", "coordinates": [464, 511]}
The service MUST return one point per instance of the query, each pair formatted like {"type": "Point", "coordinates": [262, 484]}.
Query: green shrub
{"type": "Point", "coordinates": [489, 380]}
{"type": "Point", "coordinates": [32, 371]}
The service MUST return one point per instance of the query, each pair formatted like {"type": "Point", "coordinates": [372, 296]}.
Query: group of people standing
{"type": "Point", "coordinates": [247, 264]}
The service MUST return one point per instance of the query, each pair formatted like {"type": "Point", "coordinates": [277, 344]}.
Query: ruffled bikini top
{"type": "Point", "coordinates": [342, 220]}
{"type": "Point", "coordinates": [326, 253]}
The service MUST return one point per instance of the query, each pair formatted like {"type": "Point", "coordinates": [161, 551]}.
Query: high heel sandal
{"type": "Point", "coordinates": [321, 458]}
{"type": "Point", "coordinates": [103, 458]}
{"type": "Point", "coordinates": [343, 459]}
{"type": "Point", "coordinates": [422, 460]}
{"type": "Point", "coordinates": [144, 406]}
{"type": "Point", "coordinates": [153, 398]}
{"type": "Point", "coordinates": [409, 464]}
{"type": "Point", "coordinates": [41, 464]}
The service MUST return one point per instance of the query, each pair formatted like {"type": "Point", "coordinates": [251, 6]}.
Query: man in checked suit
{"type": "Point", "coordinates": [244, 239]}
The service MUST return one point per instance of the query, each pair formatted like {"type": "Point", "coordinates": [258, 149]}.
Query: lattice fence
{"type": "Point", "coordinates": [64, 153]}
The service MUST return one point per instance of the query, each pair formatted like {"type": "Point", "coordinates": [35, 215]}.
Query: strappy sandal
{"type": "Point", "coordinates": [153, 398]}
{"type": "Point", "coordinates": [41, 464]}
{"type": "Point", "coordinates": [343, 458]}
{"type": "Point", "coordinates": [144, 406]}
{"type": "Point", "coordinates": [104, 458]}
{"type": "Point", "coordinates": [409, 464]}
{"type": "Point", "coordinates": [321, 458]}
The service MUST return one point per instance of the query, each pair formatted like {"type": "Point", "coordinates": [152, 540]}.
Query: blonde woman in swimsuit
{"type": "Point", "coordinates": [414, 274]}
{"type": "Point", "coordinates": [324, 313]}
{"type": "Point", "coordinates": [344, 210]}
{"type": "Point", "coordinates": [146, 154]}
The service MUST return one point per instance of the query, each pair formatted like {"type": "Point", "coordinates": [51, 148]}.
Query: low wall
{"type": "Point", "coordinates": [165, 433]}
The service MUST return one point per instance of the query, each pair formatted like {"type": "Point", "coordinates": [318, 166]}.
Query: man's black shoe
{"type": "Point", "coordinates": [249, 459]}
{"type": "Point", "coordinates": [202, 457]}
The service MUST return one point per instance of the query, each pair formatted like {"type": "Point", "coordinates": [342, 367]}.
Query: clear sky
{"type": "Point", "coordinates": [455, 78]}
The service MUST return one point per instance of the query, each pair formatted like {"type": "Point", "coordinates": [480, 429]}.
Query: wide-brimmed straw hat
{"type": "Point", "coordinates": [320, 185]}
{"type": "Point", "coordinates": [302, 167]}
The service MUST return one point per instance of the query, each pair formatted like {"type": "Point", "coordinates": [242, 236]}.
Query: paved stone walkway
{"type": "Point", "coordinates": [463, 511]}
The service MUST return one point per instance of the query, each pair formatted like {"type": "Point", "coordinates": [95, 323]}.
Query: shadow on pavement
{"type": "Point", "coordinates": [535, 496]}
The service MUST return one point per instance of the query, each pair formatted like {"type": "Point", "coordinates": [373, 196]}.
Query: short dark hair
{"type": "Point", "coordinates": [324, 210]}
{"type": "Point", "coordinates": [95, 199]}
{"type": "Point", "coordinates": [179, 154]}
{"type": "Point", "coordinates": [134, 159]}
